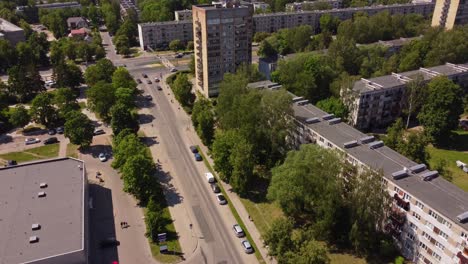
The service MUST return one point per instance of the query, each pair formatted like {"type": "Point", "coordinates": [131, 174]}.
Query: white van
{"type": "Point", "coordinates": [209, 177]}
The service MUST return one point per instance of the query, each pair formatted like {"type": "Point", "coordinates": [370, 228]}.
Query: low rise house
{"type": "Point", "coordinates": [76, 22]}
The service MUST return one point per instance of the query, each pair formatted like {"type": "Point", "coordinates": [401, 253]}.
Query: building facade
{"type": "Point", "coordinates": [260, 6]}
{"type": "Point", "coordinates": [448, 13]}
{"type": "Point", "coordinates": [59, 5]}
{"type": "Point", "coordinates": [302, 6]}
{"type": "Point", "coordinates": [158, 35]}
{"type": "Point", "coordinates": [11, 32]}
{"type": "Point", "coordinates": [377, 102]}
{"type": "Point", "coordinates": [182, 15]}
{"type": "Point", "coordinates": [429, 215]}
{"type": "Point", "coordinates": [222, 40]}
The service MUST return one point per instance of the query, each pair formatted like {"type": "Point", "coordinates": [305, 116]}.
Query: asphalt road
{"type": "Point", "coordinates": [212, 222]}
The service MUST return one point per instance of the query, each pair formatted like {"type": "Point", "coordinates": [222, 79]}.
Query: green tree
{"type": "Point", "coordinates": [441, 110]}
{"type": "Point", "coordinates": [67, 74]}
{"type": "Point", "coordinates": [121, 78]}
{"type": "Point", "coordinates": [43, 111]}
{"type": "Point", "coordinates": [65, 101]}
{"type": "Point", "coordinates": [441, 166]}
{"type": "Point", "coordinates": [203, 119]}
{"type": "Point", "coordinates": [190, 45]}
{"type": "Point", "coordinates": [24, 82]}
{"type": "Point", "coordinates": [310, 252]}
{"type": "Point", "coordinates": [222, 148]}
{"type": "Point", "coordinates": [122, 117]}
{"type": "Point", "coordinates": [278, 236]}
{"type": "Point", "coordinates": [183, 90]}
{"type": "Point", "coordinates": [242, 162]}
{"type": "Point", "coordinates": [19, 116]}
{"type": "Point", "coordinates": [103, 70]}
{"type": "Point", "coordinates": [260, 36]}
{"type": "Point", "coordinates": [154, 219]}
{"type": "Point", "coordinates": [394, 134]}
{"type": "Point", "coordinates": [414, 91]}
{"type": "Point", "coordinates": [176, 45]}
{"type": "Point", "coordinates": [191, 65]}
{"type": "Point", "coordinates": [329, 23]}
{"type": "Point", "coordinates": [7, 55]}
{"type": "Point", "coordinates": [122, 45]}
{"type": "Point", "coordinates": [79, 129]}
{"type": "Point", "coordinates": [126, 97]}
{"type": "Point", "coordinates": [129, 146]}
{"type": "Point", "coordinates": [346, 54]}
{"type": "Point", "coordinates": [413, 146]}
{"type": "Point", "coordinates": [137, 172]}
{"type": "Point", "coordinates": [101, 97]}
{"type": "Point", "coordinates": [333, 105]}
{"type": "Point", "coordinates": [266, 50]}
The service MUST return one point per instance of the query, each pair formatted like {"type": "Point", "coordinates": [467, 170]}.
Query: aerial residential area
{"type": "Point", "coordinates": [197, 131]}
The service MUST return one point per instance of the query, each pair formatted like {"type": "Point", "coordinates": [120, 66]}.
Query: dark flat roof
{"type": "Point", "coordinates": [60, 214]}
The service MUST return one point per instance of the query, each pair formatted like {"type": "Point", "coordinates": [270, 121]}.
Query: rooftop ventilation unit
{"type": "Point", "coordinates": [41, 194]}
{"type": "Point", "coordinates": [462, 217]}
{"type": "Point", "coordinates": [33, 239]}
{"type": "Point", "coordinates": [350, 144]}
{"type": "Point", "coordinates": [312, 120]}
{"type": "Point", "coordinates": [35, 227]}
{"type": "Point", "coordinates": [427, 176]}
{"type": "Point", "coordinates": [328, 116]}
{"type": "Point", "coordinates": [367, 139]}
{"type": "Point", "coordinates": [400, 174]}
{"type": "Point", "coordinates": [303, 102]}
{"type": "Point", "coordinates": [334, 121]}
{"type": "Point", "coordinates": [376, 144]}
{"type": "Point", "coordinates": [418, 168]}
{"type": "Point", "coordinates": [297, 99]}
{"type": "Point", "coordinates": [43, 185]}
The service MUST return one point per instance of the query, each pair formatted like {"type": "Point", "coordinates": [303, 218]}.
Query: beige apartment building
{"type": "Point", "coordinates": [158, 35]}
{"type": "Point", "coordinates": [223, 41]}
{"type": "Point", "coordinates": [448, 13]}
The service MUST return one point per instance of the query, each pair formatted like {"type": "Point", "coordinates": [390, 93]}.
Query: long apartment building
{"type": "Point", "coordinates": [377, 102]}
{"type": "Point", "coordinates": [270, 22]}
{"type": "Point", "coordinates": [448, 13]}
{"type": "Point", "coordinates": [429, 215]}
{"type": "Point", "coordinates": [222, 41]}
{"type": "Point", "coordinates": [301, 6]}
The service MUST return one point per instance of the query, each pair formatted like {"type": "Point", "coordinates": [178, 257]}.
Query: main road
{"type": "Point", "coordinates": [212, 222]}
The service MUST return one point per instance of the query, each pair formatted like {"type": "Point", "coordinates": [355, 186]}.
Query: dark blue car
{"type": "Point", "coordinates": [198, 157]}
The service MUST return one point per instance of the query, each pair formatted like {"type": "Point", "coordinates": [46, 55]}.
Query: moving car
{"type": "Point", "coordinates": [52, 131]}
{"type": "Point", "coordinates": [148, 82]}
{"type": "Point", "coordinates": [238, 230]}
{"type": "Point", "coordinates": [109, 242]}
{"type": "Point", "coordinates": [173, 70]}
{"type": "Point", "coordinates": [221, 199]}
{"type": "Point", "coordinates": [247, 246]}
{"type": "Point", "coordinates": [138, 81]}
{"type": "Point", "coordinates": [144, 75]}
{"type": "Point", "coordinates": [50, 140]}
{"type": "Point", "coordinates": [60, 130]}
{"type": "Point", "coordinates": [198, 157]}
{"type": "Point", "coordinates": [148, 97]}
{"type": "Point", "coordinates": [157, 79]}
{"type": "Point", "coordinates": [215, 188]}
{"type": "Point", "coordinates": [193, 149]}
{"type": "Point", "coordinates": [102, 157]}
{"type": "Point", "coordinates": [98, 131]}
{"type": "Point", "coordinates": [179, 55]}
{"type": "Point", "coordinates": [30, 141]}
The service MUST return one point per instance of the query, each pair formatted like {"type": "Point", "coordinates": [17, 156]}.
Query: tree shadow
{"type": "Point", "coordinates": [145, 118]}
{"type": "Point", "coordinates": [5, 139]}
{"type": "Point", "coordinates": [258, 190]}
{"type": "Point", "coordinates": [149, 141]}
{"type": "Point", "coordinates": [95, 150]}
{"type": "Point", "coordinates": [173, 197]}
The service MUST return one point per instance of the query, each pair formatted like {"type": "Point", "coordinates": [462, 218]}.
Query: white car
{"type": "Point", "coordinates": [30, 141]}
{"type": "Point", "coordinates": [102, 157]}
{"type": "Point", "coordinates": [238, 230]}
{"type": "Point", "coordinates": [247, 246]}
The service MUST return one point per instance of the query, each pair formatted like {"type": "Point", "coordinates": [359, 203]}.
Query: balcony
{"type": "Point", "coordinates": [463, 259]}
{"type": "Point", "coordinates": [401, 203]}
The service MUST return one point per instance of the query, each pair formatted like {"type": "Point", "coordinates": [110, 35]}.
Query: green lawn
{"type": "Point", "coordinates": [43, 152]}
{"type": "Point", "coordinates": [262, 212]}
{"type": "Point", "coordinates": [460, 178]}
{"type": "Point", "coordinates": [175, 252]}
{"type": "Point", "coordinates": [72, 150]}
{"type": "Point", "coordinates": [82, 105]}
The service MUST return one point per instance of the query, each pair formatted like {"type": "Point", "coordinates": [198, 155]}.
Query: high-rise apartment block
{"type": "Point", "coordinates": [223, 41]}
{"type": "Point", "coordinates": [448, 13]}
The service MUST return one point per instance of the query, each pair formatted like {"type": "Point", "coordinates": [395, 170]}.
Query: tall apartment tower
{"type": "Point", "coordinates": [222, 35]}
{"type": "Point", "coordinates": [448, 13]}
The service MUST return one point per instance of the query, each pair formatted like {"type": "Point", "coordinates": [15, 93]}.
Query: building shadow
{"type": "Point", "coordinates": [102, 225]}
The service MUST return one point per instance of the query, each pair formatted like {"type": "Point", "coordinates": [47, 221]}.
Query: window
{"type": "Point", "coordinates": [442, 234]}
{"type": "Point", "coordinates": [439, 245]}
{"type": "Point", "coordinates": [426, 236]}
{"type": "Point", "coordinates": [420, 205]}
{"type": "Point", "coordinates": [396, 189]}
{"type": "Point", "coordinates": [410, 236]}
{"type": "Point", "coordinates": [329, 145]}
{"type": "Point", "coordinates": [321, 139]}
{"type": "Point", "coordinates": [417, 216]}
{"type": "Point", "coordinates": [406, 197]}
{"type": "Point", "coordinates": [423, 246]}
{"type": "Point", "coordinates": [433, 214]}
{"type": "Point", "coordinates": [436, 256]}
{"type": "Point", "coordinates": [413, 226]}
{"type": "Point", "coordinates": [429, 225]}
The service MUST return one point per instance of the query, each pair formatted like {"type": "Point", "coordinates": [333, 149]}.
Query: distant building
{"type": "Point", "coordinates": [260, 6]}
{"type": "Point", "coordinates": [448, 13]}
{"type": "Point", "coordinates": [76, 22]}
{"type": "Point", "coordinates": [58, 5]}
{"type": "Point", "coordinates": [378, 101]}
{"type": "Point", "coordinates": [44, 213]}
{"type": "Point", "coordinates": [393, 46]}
{"type": "Point", "coordinates": [126, 6]}
{"type": "Point", "coordinates": [223, 41]}
{"type": "Point", "coordinates": [183, 15]}
{"type": "Point", "coordinates": [11, 32]}
{"type": "Point", "coordinates": [81, 33]}
{"type": "Point", "coordinates": [302, 6]}
{"type": "Point", "coordinates": [267, 66]}
{"type": "Point", "coordinates": [158, 35]}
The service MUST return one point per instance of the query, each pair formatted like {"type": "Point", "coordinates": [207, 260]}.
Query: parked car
{"type": "Point", "coordinates": [144, 75]}
{"type": "Point", "coordinates": [247, 246]}
{"type": "Point", "coordinates": [11, 163]}
{"type": "Point", "coordinates": [102, 157]}
{"type": "Point", "coordinates": [238, 230]}
{"type": "Point", "coordinates": [148, 97]}
{"type": "Point", "coordinates": [52, 131]}
{"type": "Point", "coordinates": [198, 157]}
{"type": "Point", "coordinates": [98, 131]}
{"type": "Point", "coordinates": [193, 149]}
{"type": "Point", "coordinates": [138, 81]}
{"type": "Point", "coordinates": [157, 79]}
{"type": "Point", "coordinates": [215, 188]}
{"type": "Point", "coordinates": [179, 55]}
{"type": "Point", "coordinates": [209, 177]}
{"type": "Point", "coordinates": [159, 88]}
{"type": "Point", "coordinates": [30, 141]}
{"type": "Point", "coordinates": [50, 140]}
{"type": "Point", "coordinates": [148, 82]}
{"type": "Point", "coordinates": [221, 199]}
{"type": "Point", "coordinates": [109, 242]}
{"type": "Point", "coordinates": [60, 130]}
{"type": "Point", "coordinates": [173, 70]}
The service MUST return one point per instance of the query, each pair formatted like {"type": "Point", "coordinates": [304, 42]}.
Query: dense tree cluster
{"type": "Point", "coordinates": [182, 88]}
{"type": "Point", "coordinates": [203, 119]}
{"type": "Point", "coordinates": [163, 10]}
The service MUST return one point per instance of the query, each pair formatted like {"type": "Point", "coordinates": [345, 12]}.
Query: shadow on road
{"type": "Point", "coordinates": [173, 197]}
{"type": "Point", "coordinates": [149, 141]}
{"type": "Point", "coordinates": [145, 118]}
{"type": "Point", "coordinates": [5, 139]}
{"type": "Point", "coordinates": [102, 224]}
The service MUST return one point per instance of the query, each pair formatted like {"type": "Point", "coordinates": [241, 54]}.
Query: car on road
{"type": "Point", "coordinates": [209, 177]}
{"type": "Point", "coordinates": [159, 88]}
{"type": "Point", "coordinates": [98, 131]}
{"type": "Point", "coordinates": [138, 81]}
{"type": "Point", "coordinates": [221, 199]}
{"type": "Point", "coordinates": [52, 131]}
{"type": "Point", "coordinates": [109, 242]}
{"type": "Point", "coordinates": [102, 157]}
{"type": "Point", "coordinates": [193, 149]}
{"type": "Point", "coordinates": [11, 163]}
{"type": "Point", "coordinates": [30, 141]}
{"type": "Point", "coordinates": [198, 157]}
{"type": "Point", "coordinates": [148, 82]}
{"type": "Point", "coordinates": [60, 130]}
{"type": "Point", "coordinates": [179, 55]}
{"type": "Point", "coordinates": [238, 230]}
{"type": "Point", "coordinates": [157, 79]}
{"type": "Point", "coordinates": [144, 75]}
{"type": "Point", "coordinates": [148, 97]}
{"type": "Point", "coordinates": [173, 70]}
{"type": "Point", "coordinates": [247, 246]}
{"type": "Point", "coordinates": [215, 188]}
{"type": "Point", "coordinates": [51, 140]}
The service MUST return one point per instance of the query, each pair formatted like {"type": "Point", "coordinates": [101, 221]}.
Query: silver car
{"type": "Point", "coordinates": [30, 141]}
{"type": "Point", "coordinates": [247, 246]}
{"type": "Point", "coordinates": [238, 230]}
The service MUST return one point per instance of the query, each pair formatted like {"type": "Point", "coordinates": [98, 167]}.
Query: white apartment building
{"type": "Point", "coordinates": [429, 216]}
{"type": "Point", "coordinates": [302, 6]}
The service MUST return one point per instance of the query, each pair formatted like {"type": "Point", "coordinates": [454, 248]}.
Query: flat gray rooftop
{"type": "Point", "coordinates": [8, 27]}
{"type": "Point", "coordinates": [59, 213]}
{"type": "Point", "coordinates": [441, 195]}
